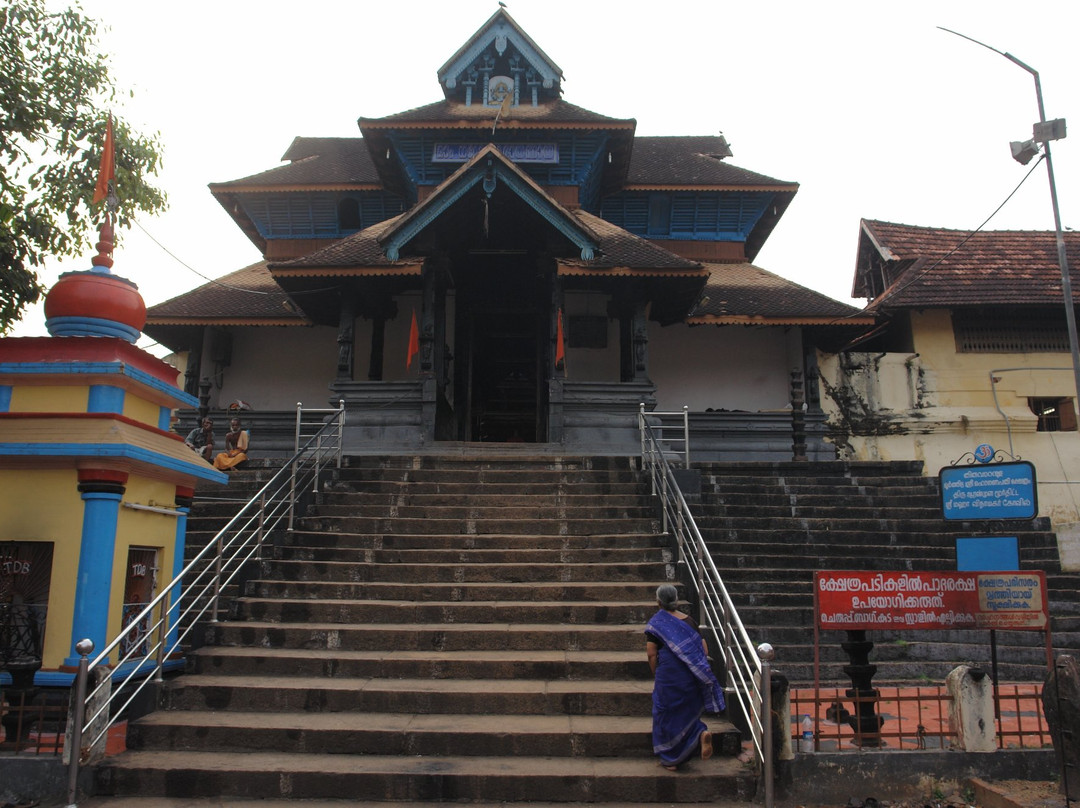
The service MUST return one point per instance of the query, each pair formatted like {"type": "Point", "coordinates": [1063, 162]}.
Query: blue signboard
{"type": "Point", "coordinates": [515, 152]}
{"type": "Point", "coordinates": [992, 491]}
{"type": "Point", "coordinates": [979, 554]}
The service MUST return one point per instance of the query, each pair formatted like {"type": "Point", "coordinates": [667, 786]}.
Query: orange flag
{"type": "Point", "coordinates": [414, 341]}
{"type": "Point", "coordinates": [107, 171]}
{"type": "Point", "coordinates": [560, 345]}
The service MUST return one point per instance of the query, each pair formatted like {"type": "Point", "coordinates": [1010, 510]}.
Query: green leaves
{"type": "Point", "coordinates": [55, 97]}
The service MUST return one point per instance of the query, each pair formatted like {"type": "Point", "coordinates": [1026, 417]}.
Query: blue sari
{"type": "Point", "coordinates": [685, 687]}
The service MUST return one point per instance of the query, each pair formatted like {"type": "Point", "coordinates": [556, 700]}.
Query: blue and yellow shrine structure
{"type": "Point", "coordinates": [94, 487]}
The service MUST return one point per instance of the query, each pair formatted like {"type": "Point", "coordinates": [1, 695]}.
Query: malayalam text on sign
{"type": "Point", "coordinates": [931, 600]}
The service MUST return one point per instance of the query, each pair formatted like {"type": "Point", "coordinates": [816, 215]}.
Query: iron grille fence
{"type": "Point", "coordinates": [914, 717]}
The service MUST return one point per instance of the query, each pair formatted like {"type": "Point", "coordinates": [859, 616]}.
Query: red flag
{"type": "Point", "coordinates": [107, 171]}
{"type": "Point", "coordinates": [560, 346]}
{"type": "Point", "coordinates": [414, 341]}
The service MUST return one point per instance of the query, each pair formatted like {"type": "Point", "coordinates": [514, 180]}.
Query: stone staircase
{"type": "Point", "coordinates": [435, 629]}
{"type": "Point", "coordinates": [771, 525]}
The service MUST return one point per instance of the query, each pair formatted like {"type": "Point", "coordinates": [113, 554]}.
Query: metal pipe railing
{"type": "Point", "coordinates": [719, 619]}
{"type": "Point", "coordinates": [207, 575]}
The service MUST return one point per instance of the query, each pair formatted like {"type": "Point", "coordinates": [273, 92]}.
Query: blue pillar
{"type": "Point", "coordinates": [101, 494]}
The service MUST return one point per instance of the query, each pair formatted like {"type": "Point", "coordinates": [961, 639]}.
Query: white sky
{"type": "Point", "coordinates": [871, 108]}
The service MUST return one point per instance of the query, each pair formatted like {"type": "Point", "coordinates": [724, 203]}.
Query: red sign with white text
{"type": "Point", "coordinates": [1012, 600]}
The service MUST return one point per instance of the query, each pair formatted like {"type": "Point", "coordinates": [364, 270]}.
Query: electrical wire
{"type": "Point", "coordinates": [923, 270]}
{"type": "Point", "coordinates": [216, 282]}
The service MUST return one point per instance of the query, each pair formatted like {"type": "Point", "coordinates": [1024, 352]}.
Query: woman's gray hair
{"type": "Point", "coordinates": [667, 596]}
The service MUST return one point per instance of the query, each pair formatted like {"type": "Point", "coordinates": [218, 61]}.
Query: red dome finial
{"type": "Point", "coordinates": [103, 262]}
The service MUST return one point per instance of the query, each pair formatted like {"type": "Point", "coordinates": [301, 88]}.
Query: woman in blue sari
{"type": "Point", "coordinates": [685, 685]}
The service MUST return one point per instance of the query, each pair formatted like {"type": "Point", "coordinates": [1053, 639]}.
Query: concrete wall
{"type": "Point", "coordinates": [728, 367]}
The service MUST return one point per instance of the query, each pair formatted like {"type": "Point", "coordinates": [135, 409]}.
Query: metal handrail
{"type": "Point", "coordinates": [221, 561]}
{"type": "Point", "coordinates": [718, 617]}
{"type": "Point", "coordinates": [659, 429]}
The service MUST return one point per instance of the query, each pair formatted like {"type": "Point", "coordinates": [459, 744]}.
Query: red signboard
{"type": "Point", "coordinates": [1012, 600]}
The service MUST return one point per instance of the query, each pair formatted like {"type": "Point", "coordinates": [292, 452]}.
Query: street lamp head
{"type": "Point", "coordinates": [1023, 151]}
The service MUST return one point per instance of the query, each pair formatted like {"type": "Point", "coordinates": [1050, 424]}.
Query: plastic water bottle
{"type": "Point", "coordinates": [807, 744]}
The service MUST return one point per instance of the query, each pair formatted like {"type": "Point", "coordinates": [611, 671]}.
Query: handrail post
{"type": "Point", "coordinates": [78, 714]}
{"type": "Point", "coordinates": [686, 433]}
{"type": "Point", "coordinates": [162, 632]}
{"type": "Point", "coordinates": [766, 655]}
{"type": "Point", "coordinates": [340, 430]}
{"type": "Point", "coordinates": [261, 530]}
{"type": "Point", "coordinates": [217, 578]}
{"type": "Point", "coordinates": [292, 476]}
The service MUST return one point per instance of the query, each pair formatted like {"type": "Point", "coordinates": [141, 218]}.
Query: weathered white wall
{"type": "Point", "coordinates": [935, 405]}
{"type": "Point", "coordinates": [274, 367]}
{"type": "Point", "coordinates": [726, 367]}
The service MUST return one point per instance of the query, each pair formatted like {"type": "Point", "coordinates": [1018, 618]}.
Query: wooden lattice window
{"type": "Point", "coordinates": [1055, 414]}
{"type": "Point", "coordinates": [1009, 332]}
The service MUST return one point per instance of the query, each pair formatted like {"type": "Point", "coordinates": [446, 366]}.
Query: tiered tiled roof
{"type": "Point", "coordinates": [746, 294]}
{"type": "Point", "coordinates": [680, 162]}
{"type": "Point", "coordinates": [949, 268]}
{"type": "Point", "coordinates": [340, 162]}
{"type": "Point", "coordinates": [248, 296]}
{"type": "Point", "coordinates": [454, 114]}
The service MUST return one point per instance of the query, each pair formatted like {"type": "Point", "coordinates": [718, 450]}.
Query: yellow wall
{"type": "Point", "coordinates": [34, 398]}
{"type": "Point", "coordinates": [141, 410]}
{"type": "Point", "coordinates": [142, 529]}
{"type": "Point", "coordinates": [45, 505]}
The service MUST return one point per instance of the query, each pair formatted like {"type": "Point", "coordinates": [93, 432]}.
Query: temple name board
{"type": "Point", "coordinates": [547, 153]}
{"type": "Point", "coordinates": [859, 600]}
{"type": "Point", "coordinates": [998, 491]}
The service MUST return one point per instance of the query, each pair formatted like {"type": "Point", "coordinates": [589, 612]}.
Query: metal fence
{"type": "Point", "coordinates": [912, 717]}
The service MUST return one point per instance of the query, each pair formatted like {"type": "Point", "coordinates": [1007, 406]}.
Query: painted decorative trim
{"type": "Point", "coordinates": [115, 451]}
{"type": "Point", "coordinates": [105, 398]}
{"type": "Point", "coordinates": [101, 368]}
{"type": "Point", "coordinates": [91, 327]}
{"type": "Point", "coordinates": [5, 397]}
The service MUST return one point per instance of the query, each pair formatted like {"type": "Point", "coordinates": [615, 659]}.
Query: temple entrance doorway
{"type": "Point", "coordinates": [499, 332]}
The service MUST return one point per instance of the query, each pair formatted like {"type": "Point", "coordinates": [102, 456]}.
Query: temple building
{"type": "Point", "coordinates": [503, 266]}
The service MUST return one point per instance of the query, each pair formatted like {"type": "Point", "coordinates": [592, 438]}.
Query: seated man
{"type": "Point", "coordinates": [201, 439]}
{"type": "Point", "coordinates": [236, 444]}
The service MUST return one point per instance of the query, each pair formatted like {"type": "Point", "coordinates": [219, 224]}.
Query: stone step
{"type": "Point", "coordinates": [537, 497]}
{"type": "Point", "coordinates": [401, 611]}
{"type": "Point", "coordinates": [877, 554]}
{"type": "Point", "coordinates": [634, 590]}
{"type": "Point", "coordinates": [908, 527]}
{"type": "Point", "coordinates": [424, 664]}
{"type": "Point", "coordinates": [597, 510]}
{"type": "Point", "coordinates": [522, 555]}
{"type": "Point", "coordinates": [854, 560]}
{"type": "Point", "coordinates": [533, 477]}
{"type": "Point", "coordinates": [405, 487]}
{"type": "Point", "coordinates": [427, 636]}
{"type": "Point", "coordinates": [409, 777]}
{"type": "Point", "coordinates": [780, 499]}
{"type": "Point", "coordinates": [446, 696]}
{"type": "Point", "coordinates": [375, 733]}
{"type": "Point", "coordinates": [458, 541]}
{"type": "Point", "coordinates": [461, 573]}
{"type": "Point", "coordinates": [543, 527]}
{"type": "Point", "coordinates": [232, 802]}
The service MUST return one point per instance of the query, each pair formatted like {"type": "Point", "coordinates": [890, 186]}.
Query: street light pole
{"type": "Point", "coordinates": [1042, 135]}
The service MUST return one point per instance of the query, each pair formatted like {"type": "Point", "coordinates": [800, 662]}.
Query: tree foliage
{"type": "Point", "coordinates": [55, 97]}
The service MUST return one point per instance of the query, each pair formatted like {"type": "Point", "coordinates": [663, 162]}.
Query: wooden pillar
{"type": "Point", "coordinates": [640, 344]}
{"type": "Point", "coordinates": [345, 336]}
{"type": "Point", "coordinates": [378, 347]}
